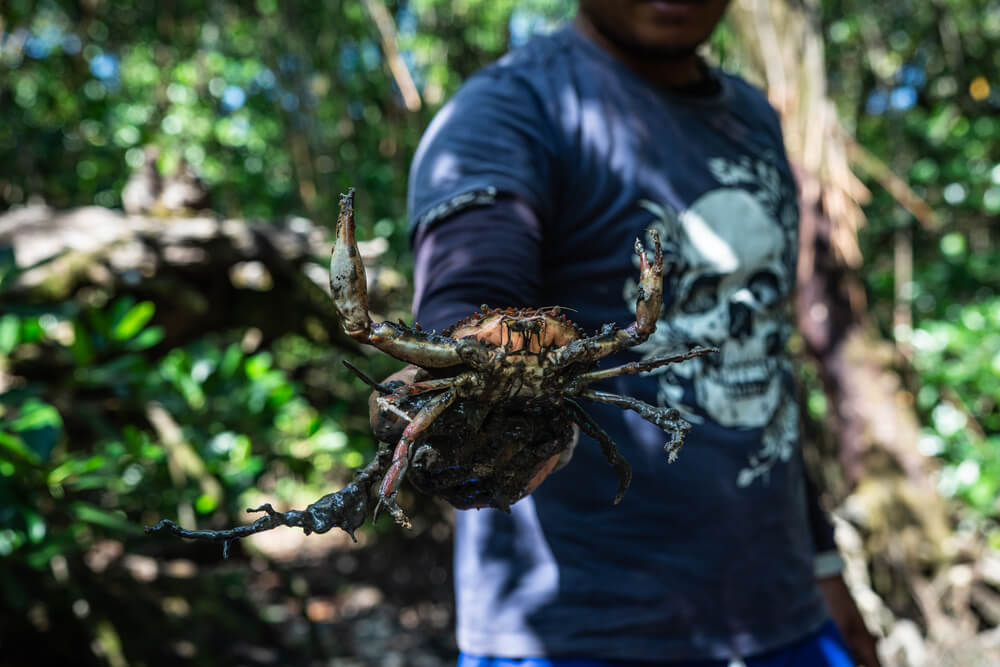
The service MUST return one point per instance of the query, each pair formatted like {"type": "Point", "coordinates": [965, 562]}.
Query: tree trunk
{"type": "Point", "coordinates": [203, 274]}
{"type": "Point", "coordinates": [888, 485]}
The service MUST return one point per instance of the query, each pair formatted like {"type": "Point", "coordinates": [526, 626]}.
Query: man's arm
{"type": "Point", "coordinates": [827, 560]}
{"type": "Point", "coordinates": [829, 568]}
{"type": "Point", "coordinates": [486, 254]}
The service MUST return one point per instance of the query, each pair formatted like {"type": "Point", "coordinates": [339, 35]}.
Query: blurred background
{"type": "Point", "coordinates": [169, 175]}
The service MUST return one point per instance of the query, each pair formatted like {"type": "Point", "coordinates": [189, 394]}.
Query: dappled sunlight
{"type": "Point", "coordinates": [169, 181]}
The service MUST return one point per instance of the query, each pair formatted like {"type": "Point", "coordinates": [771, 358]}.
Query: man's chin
{"type": "Point", "coordinates": [659, 48]}
{"type": "Point", "coordinates": [661, 52]}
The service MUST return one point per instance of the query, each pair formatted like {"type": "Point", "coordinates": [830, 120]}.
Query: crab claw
{"type": "Point", "coordinates": [347, 275]}
{"type": "Point", "coordinates": [650, 298]}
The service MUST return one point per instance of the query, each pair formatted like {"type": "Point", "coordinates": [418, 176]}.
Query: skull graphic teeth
{"type": "Point", "coordinates": [744, 379]}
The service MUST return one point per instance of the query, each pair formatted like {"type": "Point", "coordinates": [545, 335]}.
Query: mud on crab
{"type": "Point", "coordinates": [495, 398]}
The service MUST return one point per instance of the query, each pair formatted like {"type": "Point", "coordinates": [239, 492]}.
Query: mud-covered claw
{"type": "Point", "coordinates": [670, 421]}
{"type": "Point", "coordinates": [346, 509]}
{"type": "Point", "coordinates": [395, 511]}
{"type": "Point", "coordinates": [667, 419]}
{"type": "Point", "coordinates": [348, 287]}
{"type": "Point", "coordinates": [349, 292]}
{"type": "Point", "coordinates": [650, 297]}
{"type": "Point", "coordinates": [678, 432]}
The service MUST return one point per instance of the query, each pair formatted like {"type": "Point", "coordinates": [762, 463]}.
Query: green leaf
{"type": "Point", "coordinates": [10, 541]}
{"type": "Point", "coordinates": [115, 521]}
{"type": "Point", "coordinates": [35, 524]}
{"type": "Point", "coordinates": [983, 494]}
{"type": "Point", "coordinates": [16, 445]}
{"type": "Point", "coordinates": [132, 321]}
{"type": "Point", "coordinates": [37, 414]}
{"type": "Point", "coordinates": [83, 347]}
{"type": "Point", "coordinates": [39, 557]}
{"type": "Point", "coordinates": [258, 365]}
{"type": "Point", "coordinates": [10, 330]}
{"type": "Point", "coordinates": [206, 504]}
{"type": "Point", "coordinates": [118, 309]}
{"type": "Point", "coordinates": [39, 426]}
{"type": "Point", "coordinates": [98, 480]}
{"type": "Point", "coordinates": [231, 360]}
{"type": "Point", "coordinates": [994, 539]}
{"type": "Point", "coordinates": [147, 339]}
{"type": "Point", "coordinates": [31, 330]}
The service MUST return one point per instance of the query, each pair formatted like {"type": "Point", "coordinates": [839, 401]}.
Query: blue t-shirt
{"type": "Point", "coordinates": [708, 557]}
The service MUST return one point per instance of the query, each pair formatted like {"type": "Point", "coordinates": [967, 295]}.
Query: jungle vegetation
{"type": "Point", "coordinates": [114, 414]}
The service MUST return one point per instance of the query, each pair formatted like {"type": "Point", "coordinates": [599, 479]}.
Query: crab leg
{"type": "Point", "coordinates": [647, 310]}
{"type": "Point", "coordinates": [381, 388]}
{"type": "Point", "coordinates": [594, 430]}
{"type": "Point", "coordinates": [347, 509]}
{"type": "Point", "coordinates": [415, 388]}
{"type": "Point", "coordinates": [642, 366]}
{"type": "Point", "coordinates": [389, 402]}
{"type": "Point", "coordinates": [413, 433]}
{"type": "Point", "coordinates": [667, 419]}
{"type": "Point", "coordinates": [349, 292]}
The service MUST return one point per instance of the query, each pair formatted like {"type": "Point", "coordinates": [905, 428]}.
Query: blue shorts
{"type": "Point", "coordinates": [824, 648]}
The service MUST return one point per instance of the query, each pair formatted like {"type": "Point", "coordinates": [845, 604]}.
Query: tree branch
{"type": "Point", "coordinates": [387, 33]}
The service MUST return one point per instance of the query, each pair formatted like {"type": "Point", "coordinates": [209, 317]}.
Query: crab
{"type": "Point", "coordinates": [494, 403]}
{"type": "Point", "coordinates": [497, 394]}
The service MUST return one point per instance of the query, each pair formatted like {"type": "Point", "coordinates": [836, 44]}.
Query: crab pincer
{"type": "Point", "coordinates": [349, 292]}
{"type": "Point", "coordinates": [650, 297]}
{"type": "Point", "coordinates": [348, 287]}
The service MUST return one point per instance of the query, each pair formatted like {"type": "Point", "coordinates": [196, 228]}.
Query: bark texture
{"type": "Point", "coordinates": [904, 559]}
{"type": "Point", "coordinates": [203, 274]}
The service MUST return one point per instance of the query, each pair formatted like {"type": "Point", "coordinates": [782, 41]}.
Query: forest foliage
{"type": "Point", "coordinates": [282, 106]}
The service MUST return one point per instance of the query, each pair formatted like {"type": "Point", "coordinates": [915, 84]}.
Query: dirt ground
{"type": "Point", "coordinates": [291, 600]}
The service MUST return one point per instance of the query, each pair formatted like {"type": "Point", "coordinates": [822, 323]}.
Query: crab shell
{"type": "Point", "coordinates": [498, 462]}
{"type": "Point", "coordinates": [534, 328]}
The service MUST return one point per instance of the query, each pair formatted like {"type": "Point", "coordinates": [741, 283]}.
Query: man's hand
{"type": "Point", "coordinates": [380, 420]}
{"type": "Point", "coordinates": [383, 422]}
{"type": "Point", "coordinates": [860, 642]}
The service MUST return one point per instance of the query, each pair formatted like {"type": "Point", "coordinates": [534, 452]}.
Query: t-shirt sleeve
{"type": "Point", "coordinates": [827, 559]}
{"type": "Point", "coordinates": [489, 254]}
{"type": "Point", "coordinates": [492, 139]}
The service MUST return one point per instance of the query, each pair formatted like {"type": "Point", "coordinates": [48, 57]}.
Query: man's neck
{"type": "Point", "coordinates": [672, 72]}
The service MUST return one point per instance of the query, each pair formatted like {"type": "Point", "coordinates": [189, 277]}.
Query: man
{"type": "Point", "coordinates": [529, 189]}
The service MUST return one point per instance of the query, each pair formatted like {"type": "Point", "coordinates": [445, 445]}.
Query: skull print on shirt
{"type": "Point", "coordinates": [733, 253]}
